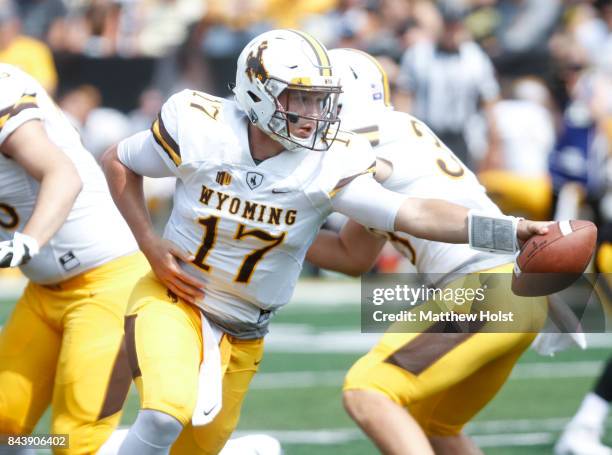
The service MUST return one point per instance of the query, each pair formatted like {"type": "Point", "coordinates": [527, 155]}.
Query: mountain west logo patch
{"type": "Point", "coordinates": [254, 64]}
{"type": "Point", "coordinates": [254, 179]}
{"type": "Point", "coordinates": [223, 178]}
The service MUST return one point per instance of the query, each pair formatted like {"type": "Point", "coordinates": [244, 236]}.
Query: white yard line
{"type": "Point", "coordinates": [306, 338]}
{"type": "Point", "coordinates": [298, 379]}
{"type": "Point", "coordinates": [517, 425]}
{"type": "Point", "coordinates": [343, 291]}
{"type": "Point", "coordinates": [577, 369]}
{"type": "Point", "coordinates": [515, 440]}
{"type": "Point", "coordinates": [311, 437]}
{"type": "Point", "coordinates": [302, 338]}
{"type": "Point", "coordinates": [333, 378]}
{"type": "Point", "coordinates": [599, 340]}
{"type": "Point", "coordinates": [343, 436]}
{"type": "Point", "coordinates": [494, 433]}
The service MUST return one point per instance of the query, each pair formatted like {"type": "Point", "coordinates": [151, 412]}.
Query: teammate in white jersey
{"type": "Point", "coordinates": [256, 178]}
{"type": "Point", "coordinates": [62, 342]}
{"type": "Point", "coordinates": [414, 392]}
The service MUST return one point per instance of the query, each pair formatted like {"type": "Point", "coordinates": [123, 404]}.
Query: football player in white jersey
{"type": "Point", "coordinates": [62, 343]}
{"type": "Point", "coordinates": [414, 392]}
{"type": "Point", "coordinates": [256, 178]}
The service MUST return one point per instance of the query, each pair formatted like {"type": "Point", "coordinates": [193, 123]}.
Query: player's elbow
{"type": "Point", "coordinates": [77, 182]}
{"type": "Point", "coordinates": [353, 271]}
{"type": "Point", "coordinates": [409, 214]}
{"type": "Point", "coordinates": [64, 173]}
{"type": "Point", "coordinates": [356, 264]}
{"type": "Point", "coordinates": [108, 158]}
{"type": "Point", "coordinates": [358, 267]}
{"type": "Point", "coordinates": [70, 178]}
{"type": "Point", "coordinates": [111, 164]}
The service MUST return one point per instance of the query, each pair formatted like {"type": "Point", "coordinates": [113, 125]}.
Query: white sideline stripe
{"type": "Point", "coordinates": [579, 369]}
{"type": "Point", "coordinates": [308, 292]}
{"type": "Point", "coordinates": [492, 433]}
{"type": "Point", "coordinates": [514, 440]}
{"type": "Point", "coordinates": [554, 424]}
{"type": "Point", "coordinates": [517, 426]}
{"type": "Point", "coordinates": [350, 342]}
{"type": "Point", "coordinates": [298, 379]}
{"type": "Point", "coordinates": [327, 292]}
{"type": "Point", "coordinates": [599, 340]}
{"type": "Point", "coordinates": [333, 378]}
{"type": "Point", "coordinates": [304, 338]}
{"type": "Point", "coordinates": [310, 437]}
{"type": "Point", "coordinates": [295, 338]}
{"type": "Point", "coordinates": [340, 436]}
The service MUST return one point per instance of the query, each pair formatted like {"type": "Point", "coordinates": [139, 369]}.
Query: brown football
{"type": "Point", "coordinates": [551, 262]}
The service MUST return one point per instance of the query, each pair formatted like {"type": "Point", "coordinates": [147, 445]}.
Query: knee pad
{"type": "Point", "coordinates": [156, 428]}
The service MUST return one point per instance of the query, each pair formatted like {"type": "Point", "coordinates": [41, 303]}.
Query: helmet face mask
{"type": "Point", "coordinates": [284, 83]}
{"type": "Point", "coordinates": [307, 116]}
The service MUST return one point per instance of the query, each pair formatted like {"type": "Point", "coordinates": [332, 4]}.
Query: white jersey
{"type": "Point", "coordinates": [94, 232]}
{"type": "Point", "coordinates": [248, 225]}
{"type": "Point", "coordinates": [424, 167]}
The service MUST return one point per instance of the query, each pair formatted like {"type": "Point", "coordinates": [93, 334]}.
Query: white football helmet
{"type": "Point", "coordinates": [365, 88]}
{"type": "Point", "coordinates": [290, 60]}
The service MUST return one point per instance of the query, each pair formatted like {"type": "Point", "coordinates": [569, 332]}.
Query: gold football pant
{"type": "Point", "coordinates": [530, 197]}
{"type": "Point", "coordinates": [444, 379]}
{"type": "Point", "coordinates": [604, 258]}
{"type": "Point", "coordinates": [63, 345]}
{"type": "Point", "coordinates": [164, 344]}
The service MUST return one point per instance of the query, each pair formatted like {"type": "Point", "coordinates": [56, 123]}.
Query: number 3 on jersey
{"type": "Point", "coordinates": [455, 169]}
{"type": "Point", "coordinates": [8, 217]}
{"type": "Point", "coordinates": [250, 260]}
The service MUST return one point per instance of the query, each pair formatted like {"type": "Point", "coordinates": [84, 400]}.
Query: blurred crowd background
{"type": "Point", "coordinates": [520, 90]}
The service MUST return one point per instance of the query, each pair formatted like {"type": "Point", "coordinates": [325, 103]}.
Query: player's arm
{"type": "Point", "coordinates": [30, 147]}
{"type": "Point", "coordinates": [494, 158]}
{"type": "Point", "coordinates": [352, 251]}
{"type": "Point", "coordinates": [368, 203]}
{"type": "Point", "coordinates": [125, 179]}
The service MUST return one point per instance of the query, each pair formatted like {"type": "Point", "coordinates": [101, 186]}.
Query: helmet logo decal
{"type": "Point", "coordinates": [254, 64]}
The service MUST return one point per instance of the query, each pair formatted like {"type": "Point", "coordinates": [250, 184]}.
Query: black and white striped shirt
{"type": "Point", "coordinates": [446, 88]}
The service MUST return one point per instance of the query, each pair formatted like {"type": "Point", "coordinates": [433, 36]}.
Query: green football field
{"type": "Point", "coordinates": [296, 394]}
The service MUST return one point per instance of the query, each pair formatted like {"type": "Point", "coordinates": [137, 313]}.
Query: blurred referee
{"type": "Point", "coordinates": [444, 83]}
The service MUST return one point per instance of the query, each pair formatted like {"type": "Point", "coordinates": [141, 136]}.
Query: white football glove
{"type": "Point", "coordinates": [18, 251]}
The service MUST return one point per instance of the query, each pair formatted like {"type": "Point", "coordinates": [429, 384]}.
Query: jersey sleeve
{"type": "Point", "coordinates": [367, 202]}
{"type": "Point", "coordinates": [139, 153]}
{"type": "Point", "coordinates": [352, 158]}
{"type": "Point", "coordinates": [18, 104]}
{"type": "Point", "coordinates": [166, 134]}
